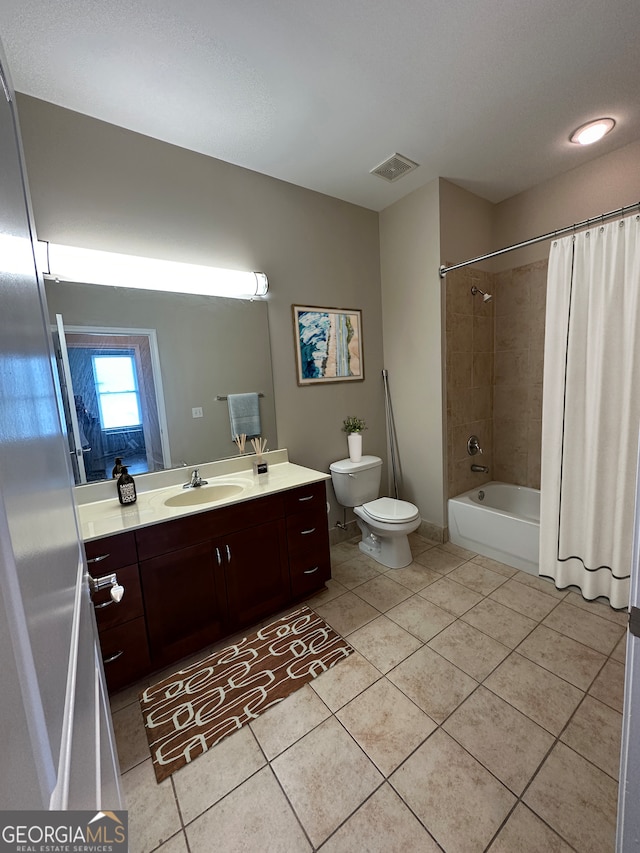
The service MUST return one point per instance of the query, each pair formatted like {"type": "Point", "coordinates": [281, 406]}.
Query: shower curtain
{"type": "Point", "coordinates": [591, 410]}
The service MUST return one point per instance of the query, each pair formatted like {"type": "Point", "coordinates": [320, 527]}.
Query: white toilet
{"type": "Point", "coordinates": [385, 522]}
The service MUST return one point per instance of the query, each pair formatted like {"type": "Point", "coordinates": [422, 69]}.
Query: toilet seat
{"type": "Point", "coordinates": [391, 511]}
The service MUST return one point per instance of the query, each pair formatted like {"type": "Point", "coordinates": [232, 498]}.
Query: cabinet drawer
{"type": "Point", "coordinates": [306, 498]}
{"type": "Point", "coordinates": [125, 654]}
{"type": "Point", "coordinates": [308, 574]}
{"type": "Point", "coordinates": [112, 552]}
{"type": "Point", "coordinates": [307, 532]}
{"type": "Point", "coordinates": [108, 612]}
{"type": "Point", "coordinates": [204, 526]}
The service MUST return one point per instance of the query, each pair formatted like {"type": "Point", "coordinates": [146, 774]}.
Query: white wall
{"type": "Point", "coordinates": [412, 328]}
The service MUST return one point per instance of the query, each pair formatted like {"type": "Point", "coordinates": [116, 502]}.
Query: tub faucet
{"type": "Point", "coordinates": [195, 481]}
{"type": "Point", "coordinates": [480, 469]}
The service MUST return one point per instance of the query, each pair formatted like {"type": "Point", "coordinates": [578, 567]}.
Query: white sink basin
{"type": "Point", "coordinates": [204, 494]}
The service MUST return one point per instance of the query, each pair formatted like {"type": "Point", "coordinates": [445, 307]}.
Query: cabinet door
{"type": "Point", "coordinates": [184, 601]}
{"type": "Point", "coordinates": [256, 572]}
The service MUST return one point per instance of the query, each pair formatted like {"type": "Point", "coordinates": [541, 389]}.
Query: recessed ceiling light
{"type": "Point", "coordinates": [592, 131]}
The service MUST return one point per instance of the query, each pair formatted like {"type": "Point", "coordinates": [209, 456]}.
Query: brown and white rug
{"type": "Point", "coordinates": [196, 707]}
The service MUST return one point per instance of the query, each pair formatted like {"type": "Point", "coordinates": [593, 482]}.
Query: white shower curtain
{"type": "Point", "coordinates": [591, 410]}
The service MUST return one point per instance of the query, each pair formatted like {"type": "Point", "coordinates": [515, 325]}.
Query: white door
{"type": "Point", "coordinates": [57, 742]}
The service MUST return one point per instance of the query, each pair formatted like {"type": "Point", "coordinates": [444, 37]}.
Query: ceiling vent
{"type": "Point", "coordinates": [394, 168]}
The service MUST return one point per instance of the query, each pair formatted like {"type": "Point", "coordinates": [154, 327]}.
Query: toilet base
{"type": "Point", "coordinates": [392, 551]}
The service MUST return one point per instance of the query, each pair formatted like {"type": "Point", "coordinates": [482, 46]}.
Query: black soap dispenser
{"type": "Point", "coordinates": [117, 468]}
{"type": "Point", "coordinates": [126, 487]}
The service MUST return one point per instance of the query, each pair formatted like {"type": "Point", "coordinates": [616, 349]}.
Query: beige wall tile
{"type": "Point", "coordinates": [482, 369]}
{"type": "Point", "coordinates": [512, 367]}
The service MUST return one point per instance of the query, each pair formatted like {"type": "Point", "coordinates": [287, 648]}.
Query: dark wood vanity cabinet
{"type": "Point", "coordinates": [121, 626]}
{"type": "Point", "coordinates": [191, 581]}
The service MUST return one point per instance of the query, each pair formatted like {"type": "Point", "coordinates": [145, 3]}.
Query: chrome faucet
{"type": "Point", "coordinates": [480, 469]}
{"type": "Point", "coordinates": [195, 481]}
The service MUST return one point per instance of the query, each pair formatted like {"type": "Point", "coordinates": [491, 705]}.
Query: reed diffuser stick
{"type": "Point", "coordinates": [240, 441]}
{"type": "Point", "coordinates": [259, 446]}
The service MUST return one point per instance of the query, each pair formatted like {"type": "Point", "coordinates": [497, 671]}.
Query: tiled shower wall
{"type": "Point", "coordinates": [494, 357]}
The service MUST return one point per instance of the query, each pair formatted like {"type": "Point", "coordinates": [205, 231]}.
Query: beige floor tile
{"type": "Point", "coordinates": [131, 737]}
{"type": "Point", "coordinates": [585, 627]}
{"type": "Point", "coordinates": [153, 812]}
{"type": "Point", "coordinates": [432, 683]}
{"type": "Point", "coordinates": [500, 622]}
{"type": "Point", "coordinates": [414, 576]}
{"type": "Point", "coordinates": [352, 573]}
{"type": "Point", "coordinates": [308, 772]}
{"type": "Point", "coordinates": [477, 578]}
{"type": "Point", "coordinates": [525, 600]}
{"type": "Point", "coordinates": [595, 731]}
{"type": "Point", "coordinates": [128, 696]}
{"type": "Point", "coordinates": [601, 608]}
{"type": "Point", "coordinates": [464, 553]}
{"type": "Point", "coordinates": [620, 651]}
{"type": "Point", "coordinates": [461, 804]}
{"type": "Point", "coordinates": [503, 740]}
{"type": "Point", "coordinates": [451, 596]}
{"type": "Point", "coordinates": [542, 584]}
{"type": "Point", "coordinates": [256, 816]}
{"type": "Point", "coordinates": [576, 799]}
{"type": "Point", "coordinates": [420, 617]}
{"type": "Point", "coordinates": [563, 656]}
{"type": "Point", "coordinates": [384, 643]}
{"type": "Point", "coordinates": [177, 844]}
{"type": "Point", "coordinates": [609, 685]}
{"type": "Point", "coordinates": [420, 543]}
{"type": "Point", "coordinates": [289, 720]}
{"type": "Point", "coordinates": [382, 593]}
{"type": "Point", "coordinates": [385, 724]}
{"type": "Point", "coordinates": [347, 613]}
{"type": "Point", "coordinates": [538, 693]}
{"type": "Point", "coordinates": [333, 590]}
{"type": "Point", "coordinates": [524, 832]}
{"type": "Point", "coordinates": [382, 825]}
{"type": "Point", "coordinates": [469, 649]}
{"type": "Point", "coordinates": [495, 566]}
{"type": "Point", "coordinates": [439, 559]}
{"type": "Point", "coordinates": [344, 551]}
{"type": "Point", "coordinates": [211, 776]}
{"type": "Point", "coordinates": [343, 682]}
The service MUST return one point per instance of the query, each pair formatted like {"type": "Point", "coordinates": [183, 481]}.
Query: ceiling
{"type": "Point", "coordinates": [481, 92]}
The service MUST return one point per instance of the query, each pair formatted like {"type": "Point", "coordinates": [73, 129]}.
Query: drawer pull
{"type": "Point", "coordinates": [112, 658]}
{"type": "Point", "coordinates": [311, 571]}
{"type": "Point", "coordinates": [219, 556]}
{"type": "Point", "coordinates": [306, 532]}
{"type": "Point", "coordinates": [98, 559]}
{"type": "Point", "coordinates": [228, 553]}
{"type": "Point", "coordinates": [308, 498]}
{"type": "Point", "coordinates": [104, 604]}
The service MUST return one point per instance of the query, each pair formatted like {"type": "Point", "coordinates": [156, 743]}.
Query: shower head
{"type": "Point", "coordinates": [486, 297]}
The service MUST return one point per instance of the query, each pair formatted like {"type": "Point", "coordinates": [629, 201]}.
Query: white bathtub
{"type": "Point", "coordinates": [498, 521]}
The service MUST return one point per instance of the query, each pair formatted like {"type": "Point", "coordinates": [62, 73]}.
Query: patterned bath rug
{"type": "Point", "coordinates": [192, 710]}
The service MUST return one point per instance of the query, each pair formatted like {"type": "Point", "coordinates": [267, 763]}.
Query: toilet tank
{"type": "Point", "coordinates": [355, 483]}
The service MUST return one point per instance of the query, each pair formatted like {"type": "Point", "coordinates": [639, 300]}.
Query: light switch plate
{"type": "Point", "coordinates": [196, 412]}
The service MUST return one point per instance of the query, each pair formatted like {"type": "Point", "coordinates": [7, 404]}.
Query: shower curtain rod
{"type": "Point", "coordinates": [620, 211]}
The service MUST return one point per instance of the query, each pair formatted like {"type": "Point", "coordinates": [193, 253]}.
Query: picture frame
{"type": "Point", "coordinates": [328, 344]}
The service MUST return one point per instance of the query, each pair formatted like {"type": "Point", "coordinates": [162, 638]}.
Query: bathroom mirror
{"type": "Point", "coordinates": [207, 347]}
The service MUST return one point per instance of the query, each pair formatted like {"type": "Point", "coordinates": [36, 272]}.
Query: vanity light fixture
{"type": "Point", "coordinates": [89, 266]}
{"type": "Point", "coordinates": [592, 131]}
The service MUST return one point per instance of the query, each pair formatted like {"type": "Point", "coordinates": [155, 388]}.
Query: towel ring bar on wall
{"type": "Point", "coordinates": [221, 397]}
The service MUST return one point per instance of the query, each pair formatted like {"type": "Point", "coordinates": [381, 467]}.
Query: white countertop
{"type": "Point", "coordinates": [105, 517]}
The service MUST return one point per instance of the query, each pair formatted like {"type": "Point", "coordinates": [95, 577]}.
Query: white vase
{"type": "Point", "coordinates": [354, 439]}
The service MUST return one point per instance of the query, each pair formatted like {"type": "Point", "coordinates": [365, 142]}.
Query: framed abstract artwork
{"type": "Point", "coordinates": [328, 344]}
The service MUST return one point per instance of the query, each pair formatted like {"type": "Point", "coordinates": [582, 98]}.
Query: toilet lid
{"type": "Point", "coordinates": [391, 510]}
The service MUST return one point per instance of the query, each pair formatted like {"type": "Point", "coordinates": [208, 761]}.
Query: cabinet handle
{"type": "Point", "coordinates": [228, 553]}
{"type": "Point", "coordinates": [112, 658]}
{"type": "Point", "coordinates": [306, 532]}
{"type": "Point", "coordinates": [104, 604]}
{"type": "Point", "coordinates": [308, 498]}
{"type": "Point", "coordinates": [98, 559]}
{"type": "Point", "coordinates": [219, 556]}
{"type": "Point", "coordinates": [311, 571]}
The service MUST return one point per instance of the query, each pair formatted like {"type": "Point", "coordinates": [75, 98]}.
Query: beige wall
{"type": "Point", "coordinates": [99, 186]}
{"type": "Point", "coordinates": [412, 325]}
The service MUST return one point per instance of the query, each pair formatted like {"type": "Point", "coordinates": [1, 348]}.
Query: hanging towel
{"type": "Point", "coordinates": [244, 414]}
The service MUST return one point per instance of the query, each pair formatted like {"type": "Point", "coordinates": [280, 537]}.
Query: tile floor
{"type": "Point", "coordinates": [481, 711]}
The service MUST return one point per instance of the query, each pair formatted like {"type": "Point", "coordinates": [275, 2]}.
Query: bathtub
{"type": "Point", "coordinates": [498, 521]}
